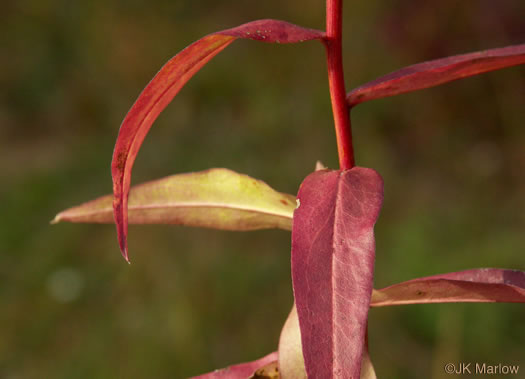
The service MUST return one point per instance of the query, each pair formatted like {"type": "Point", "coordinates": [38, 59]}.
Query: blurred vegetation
{"type": "Point", "coordinates": [193, 300]}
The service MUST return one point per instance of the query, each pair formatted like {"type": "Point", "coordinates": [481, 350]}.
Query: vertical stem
{"type": "Point", "coordinates": [336, 82]}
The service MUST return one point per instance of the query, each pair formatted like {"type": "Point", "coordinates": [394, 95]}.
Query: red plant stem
{"type": "Point", "coordinates": [334, 57]}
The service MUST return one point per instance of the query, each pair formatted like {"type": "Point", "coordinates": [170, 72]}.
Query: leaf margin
{"type": "Point", "coordinates": [336, 350]}
{"type": "Point", "coordinates": [132, 132]}
{"type": "Point", "coordinates": [429, 73]}
{"type": "Point", "coordinates": [483, 282]}
{"type": "Point", "coordinates": [210, 185]}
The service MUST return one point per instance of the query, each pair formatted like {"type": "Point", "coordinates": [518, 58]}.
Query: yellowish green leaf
{"type": "Point", "coordinates": [216, 198]}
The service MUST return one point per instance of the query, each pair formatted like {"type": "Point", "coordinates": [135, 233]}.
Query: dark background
{"type": "Point", "coordinates": [453, 160]}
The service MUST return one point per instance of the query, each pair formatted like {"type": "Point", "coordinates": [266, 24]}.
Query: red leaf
{"type": "Point", "coordinates": [240, 371]}
{"type": "Point", "coordinates": [332, 267]}
{"type": "Point", "coordinates": [483, 285]}
{"type": "Point", "coordinates": [166, 84]}
{"type": "Point", "coordinates": [291, 360]}
{"type": "Point", "coordinates": [436, 72]}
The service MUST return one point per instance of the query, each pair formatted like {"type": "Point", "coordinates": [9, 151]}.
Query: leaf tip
{"type": "Point", "coordinates": [124, 252]}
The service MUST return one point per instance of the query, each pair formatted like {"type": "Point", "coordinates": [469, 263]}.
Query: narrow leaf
{"type": "Point", "coordinates": [436, 72]}
{"type": "Point", "coordinates": [332, 267]}
{"type": "Point", "coordinates": [484, 285]}
{"type": "Point", "coordinates": [166, 84]}
{"type": "Point", "coordinates": [216, 198]}
{"type": "Point", "coordinates": [240, 371]}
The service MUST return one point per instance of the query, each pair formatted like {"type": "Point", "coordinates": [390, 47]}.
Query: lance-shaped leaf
{"type": "Point", "coordinates": [166, 84]}
{"type": "Point", "coordinates": [291, 361]}
{"type": "Point", "coordinates": [216, 198]}
{"type": "Point", "coordinates": [436, 72]}
{"type": "Point", "coordinates": [483, 285]}
{"type": "Point", "coordinates": [332, 267]}
{"type": "Point", "coordinates": [240, 371]}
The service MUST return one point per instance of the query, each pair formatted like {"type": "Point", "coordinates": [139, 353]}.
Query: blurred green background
{"type": "Point", "coordinates": [453, 160]}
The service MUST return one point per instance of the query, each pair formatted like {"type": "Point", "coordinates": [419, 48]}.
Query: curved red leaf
{"type": "Point", "coordinates": [332, 267]}
{"type": "Point", "coordinates": [483, 285]}
{"type": "Point", "coordinates": [240, 371]}
{"type": "Point", "coordinates": [436, 72]}
{"type": "Point", "coordinates": [166, 84]}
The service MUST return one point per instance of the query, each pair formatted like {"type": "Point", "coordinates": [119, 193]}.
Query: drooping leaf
{"type": "Point", "coordinates": [216, 198]}
{"type": "Point", "coordinates": [291, 361]}
{"type": "Point", "coordinates": [240, 371]}
{"type": "Point", "coordinates": [436, 72]}
{"type": "Point", "coordinates": [483, 285]}
{"type": "Point", "coordinates": [332, 267]}
{"type": "Point", "coordinates": [166, 84]}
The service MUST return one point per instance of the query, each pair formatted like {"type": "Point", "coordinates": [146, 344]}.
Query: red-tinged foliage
{"type": "Point", "coordinates": [332, 267]}
{"type": "Point", "coordinates": [485, 285]}
{"type": "Point", "coordinates": [333, 246]}
{"type": "Point", "coordinates": [436, 72]}
{"type": "Point", "coordinates": [291, 361]}
{"type": "Point", "coordinates": [166, 84]}
{"type": "Point", "coordinates": [240, 371]}
{"type": "Point", "coordinates": [336, 83]}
